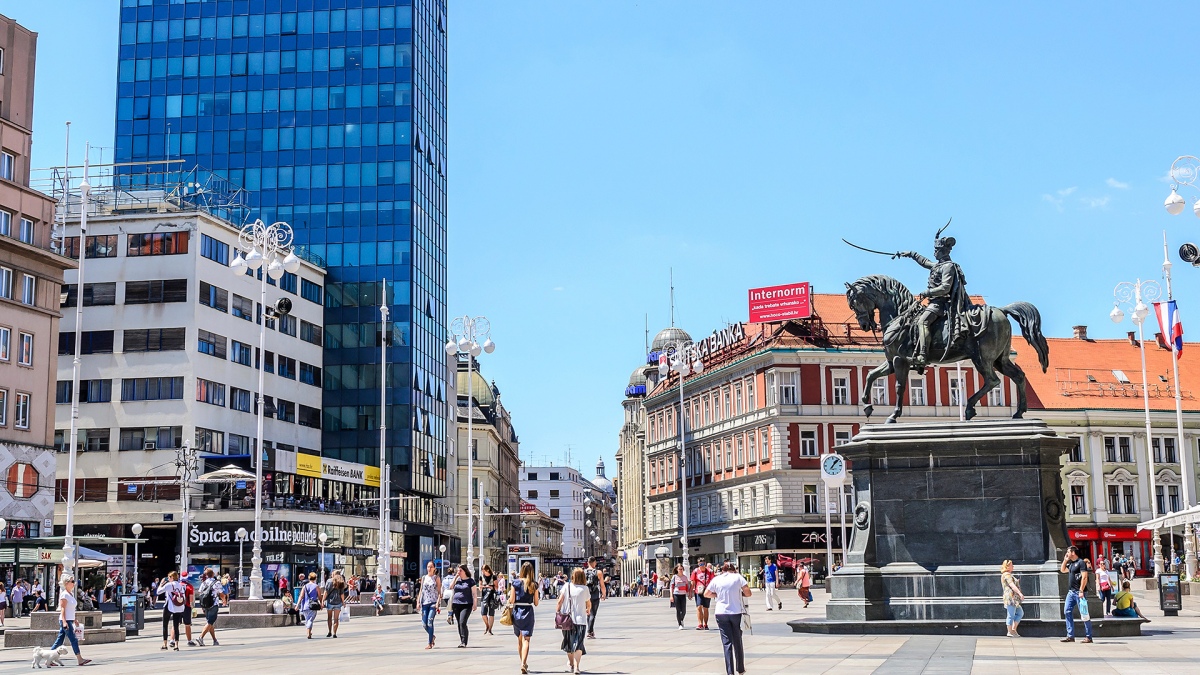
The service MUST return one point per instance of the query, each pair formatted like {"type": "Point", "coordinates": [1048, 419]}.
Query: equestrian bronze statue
{"type": "Point", "coordinates": [941, 325]}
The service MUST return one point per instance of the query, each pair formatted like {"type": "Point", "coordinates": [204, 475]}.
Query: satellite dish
{"type": "Point", "coordinates": [1189, 253]}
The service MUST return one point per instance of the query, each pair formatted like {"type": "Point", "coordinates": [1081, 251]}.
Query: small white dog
{"type": "Point", "coordinates": [49, 657]}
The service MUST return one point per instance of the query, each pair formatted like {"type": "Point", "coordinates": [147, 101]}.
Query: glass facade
{"type": "Point", "coordinates": [331, 114]}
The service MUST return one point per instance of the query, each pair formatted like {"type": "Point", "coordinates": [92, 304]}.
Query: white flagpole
{"type": "Point", "coordinates": [1189, 473]}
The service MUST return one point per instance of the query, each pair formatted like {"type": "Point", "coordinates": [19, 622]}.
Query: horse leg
{"type": "Point", "coordinates": [1014, 372]}
{"type": "Point", "coordinates": [900, 367]}
{"type": "Point", "coordinates": [990, 380]}
{"type": "Point", "coordinates": [882, 370]}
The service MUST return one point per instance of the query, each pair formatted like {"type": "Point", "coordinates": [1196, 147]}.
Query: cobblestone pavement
{"type": "Point", "coordinates": [639, 635]}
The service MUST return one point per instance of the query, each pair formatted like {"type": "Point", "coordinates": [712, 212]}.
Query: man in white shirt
{"type": "Point", "coordinates": [727, 591]}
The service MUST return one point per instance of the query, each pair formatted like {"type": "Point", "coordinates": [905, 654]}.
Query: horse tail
{"type": "Point", "coordinates": [1030, 321]}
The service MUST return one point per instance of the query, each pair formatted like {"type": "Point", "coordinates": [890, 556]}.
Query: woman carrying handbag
{"type": "Point", "coordinates": [681, 590]}
{"type": "Point", "coordinates": [571, 613]}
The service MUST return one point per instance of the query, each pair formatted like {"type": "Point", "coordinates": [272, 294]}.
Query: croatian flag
{"type": "Point", "coordinates": [1168, 323]}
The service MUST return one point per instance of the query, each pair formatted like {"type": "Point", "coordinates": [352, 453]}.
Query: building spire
{"type": "Point", "coordinates": [672, 273]}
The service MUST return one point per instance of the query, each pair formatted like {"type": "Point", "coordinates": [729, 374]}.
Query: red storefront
{"type": "Point", "coordinates": [1105, 542]}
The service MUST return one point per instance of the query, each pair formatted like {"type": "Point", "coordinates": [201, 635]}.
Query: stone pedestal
{"type": "Point", "coordinates": [253, 614]}
{"type": "Point", "coordinates": [43, 629]}
{"type": "Point", "coordinates": [938, 507]}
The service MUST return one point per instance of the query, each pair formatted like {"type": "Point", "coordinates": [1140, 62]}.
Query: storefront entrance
{"type": "Point", "coordinates": [1106, 542]}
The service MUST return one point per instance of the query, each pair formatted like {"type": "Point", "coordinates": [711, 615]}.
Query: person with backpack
{"type": "Point", "coordinates": [598, 589]}
{"type": "Point", "coordinates": [176, 597]}
{"type": "Point", "coordinates": [210, 601]}
{"type": "Point", "coordinates": [310, 602]}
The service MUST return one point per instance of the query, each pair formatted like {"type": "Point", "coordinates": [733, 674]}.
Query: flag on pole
{"type": "Point", "coordinates": [1168, 322]}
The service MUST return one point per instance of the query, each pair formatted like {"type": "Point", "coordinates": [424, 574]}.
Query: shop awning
{"type": "Point", "coordinates": [1177, 519]}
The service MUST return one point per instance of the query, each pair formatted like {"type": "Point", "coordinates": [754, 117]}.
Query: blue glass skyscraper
{"type": "Point", "coordinates": [332, 115]}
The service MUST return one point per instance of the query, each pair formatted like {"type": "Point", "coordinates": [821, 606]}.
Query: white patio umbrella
{"type": "Point", "coordinates": [226, 474]}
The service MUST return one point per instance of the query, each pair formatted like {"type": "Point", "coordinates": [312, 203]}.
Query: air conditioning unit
{"type": "Point", "coordinates": [150, 445]}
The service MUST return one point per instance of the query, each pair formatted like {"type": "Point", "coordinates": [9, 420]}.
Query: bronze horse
{"type": "Point", "coordinates": [987, 344]}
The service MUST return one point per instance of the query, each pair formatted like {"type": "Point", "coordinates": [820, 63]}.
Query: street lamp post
{"type": "Point", "coordinates": [323, 538]}
{"type": "Point", "coordinates": [465, 336]}
{"type": "Point", "coordinates": [241, 537]}
{"type": "Point", "coordinates": [137, 533]}
{"type": "Point", "coordinates": [272, 245]}
{"type": "Point", "coordinates": [383, 561]}
{"type": "Point", "coordinates": [684, 359]}
{"type": "Point", "coordinates": [1134, 294]}
{"type": "Point", "coordinates": [85, 189]}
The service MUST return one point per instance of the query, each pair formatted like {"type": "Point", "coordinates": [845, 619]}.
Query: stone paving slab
{"type": "Point", "coordinates": [639, 635]}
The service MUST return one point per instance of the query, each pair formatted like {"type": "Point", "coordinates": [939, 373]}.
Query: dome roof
{"type": "Point", "coordinates": [666, 335]}
{"type": "Point", "coordinates": [638, 376]}
{"type": "Point", "coordinates": [603, 483]}
{"type": "Point", "coordinates": [479, 388]}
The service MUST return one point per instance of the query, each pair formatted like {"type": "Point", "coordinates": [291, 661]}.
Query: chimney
{"type": "Point", "coordinates": [1132, 340]}
{"type": "Point", "coordinates": [1080, 332]}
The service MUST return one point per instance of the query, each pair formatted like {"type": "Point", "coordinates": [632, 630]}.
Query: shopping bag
{"type": "Point", "coordinates": [1083, 608]}
{"type": "Point", "coordinates": [506, 617]}
{"type": "Point", "coordinates": [344, 616]}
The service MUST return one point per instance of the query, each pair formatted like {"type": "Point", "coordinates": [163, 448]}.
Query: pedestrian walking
{"type": "Point", "coordinates": [463, 601]}
{"type": "Point", "coordinates": [574, 603]}
{"type": "Point", "coordinates": [66, 618]}
{"type": "Point", "coordinates": [804, 584]}
{"type": "Point", "coordinates": [335, 592]}
{"type": "Point", "coordinates": [175, 597]}
{"type": "Point", "coordinates": [598, 587]}
{"type": "Point", "coordinates": [189, 601]}
{"type": "Point", "coordinates": [3, 603]}
{"type": "Point", "coordinates": [310, 602]}
{"type": "Point", "coordinates": [770, 573]}
{"type": "Point", "coordinates": [727, 590]}
{"type": "Point", "coordinates": [488, 599]}
{"type": "Point", "coordinates": [209, 598]}
{"type": "Point", "coordinates": [523, 597]}
{"type": "Point", "coordinates": [1012, 598]}
{"type": "Point", "coordinates": [681, 591]}
{"type": "Point", "coordinates": [225, 581]}
{"type": "Point", "coordinates": [353, 590]}
{"type": "Point", "coordinates": [1104, 583]}
{"type": "Point", "coordinates": [429, 598]}
{"type": "Point", "coordinates": [1077, 582]}
{"type": "Point", "coordinates": [18, 598]}
{"type": "Point", "coordinates": [701, 578]}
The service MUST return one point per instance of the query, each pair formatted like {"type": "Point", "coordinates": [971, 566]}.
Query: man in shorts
{"type": "Point", "coordinates": [702, 576]}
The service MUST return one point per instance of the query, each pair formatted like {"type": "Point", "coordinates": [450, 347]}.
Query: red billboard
{"type": "Point", "coordinates": [780, 303]}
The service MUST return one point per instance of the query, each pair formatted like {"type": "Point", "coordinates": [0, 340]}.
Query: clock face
{"type": "Point", "coordinates": [832, 465]}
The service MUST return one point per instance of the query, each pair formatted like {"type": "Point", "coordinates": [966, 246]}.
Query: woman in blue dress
{"type": "Point", "coordinates": [523, 597]}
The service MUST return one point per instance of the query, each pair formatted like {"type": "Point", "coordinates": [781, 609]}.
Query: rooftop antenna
{"type": "Point", "coordinates": [672, 273]}
{"type": "Point", "coordinates": [646, 332]}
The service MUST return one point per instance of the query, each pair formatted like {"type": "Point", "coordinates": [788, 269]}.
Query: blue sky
{"type": "Point", "coordinates": [593, 146]}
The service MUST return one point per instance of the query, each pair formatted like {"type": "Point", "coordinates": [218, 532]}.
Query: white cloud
{"type": "Point", "coordinates": [1095, 202]}
{"type": "Point", "coordinates": [1057, 198]}
{"type": "Point", "coordinates": [557, 289]}
{"type": "Point", "coordinates": [1114, 183]}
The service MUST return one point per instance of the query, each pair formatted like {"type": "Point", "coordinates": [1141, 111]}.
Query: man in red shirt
{"type": "Point", "coordinates": [189, 597]}
{"type": "Point", "coordinates": [702, 576]}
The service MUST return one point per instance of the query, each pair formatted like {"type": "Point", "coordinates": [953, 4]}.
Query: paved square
{"type": "Point", "coordinates": [639, 635]}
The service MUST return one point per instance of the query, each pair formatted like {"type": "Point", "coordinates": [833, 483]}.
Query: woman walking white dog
{"type": "Point", "coordinates": [66, 618]}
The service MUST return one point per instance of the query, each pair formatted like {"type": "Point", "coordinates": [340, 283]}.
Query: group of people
{"type": "Point", "coordinates": [461, 594]}
{"type": "Point", "coordinates": [1080, 574]}
{"type": "Point", "coordinates": [24, 597]}
{"type": "Point", "coordinates": [180, 598]}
